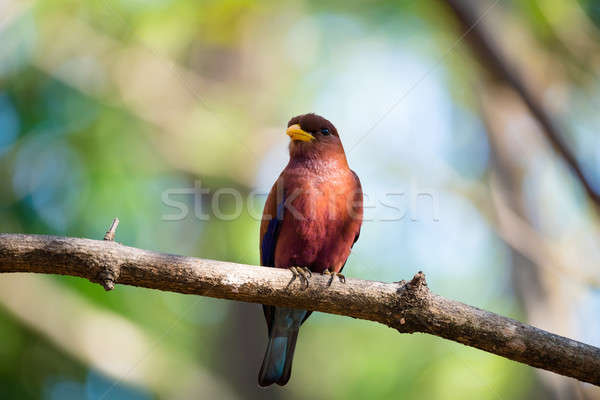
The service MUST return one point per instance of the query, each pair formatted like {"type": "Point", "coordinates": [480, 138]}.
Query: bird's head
{"type": "Point", "coordinates": [312, 136]}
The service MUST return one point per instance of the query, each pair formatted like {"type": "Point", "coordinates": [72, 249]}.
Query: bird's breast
{"type": "Point", "coordinates": [317, 227]}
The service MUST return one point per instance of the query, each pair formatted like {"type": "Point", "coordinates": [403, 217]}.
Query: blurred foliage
{"type": "Point", "coordinates": [106, 105]}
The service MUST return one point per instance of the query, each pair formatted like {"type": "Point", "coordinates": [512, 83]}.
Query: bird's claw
{"type": "Point", "coordinates": [302, 272]}
{"type": "Point", "coordinates": [341, 277]}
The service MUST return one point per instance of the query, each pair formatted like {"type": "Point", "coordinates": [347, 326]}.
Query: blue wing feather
{"type": "Point", "coordinates": [267, 248]}
{"type": "Point", "coordinates": [269, 241]}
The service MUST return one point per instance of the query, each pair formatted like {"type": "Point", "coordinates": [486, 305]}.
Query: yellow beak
{"type": "Point", "coordinates": [296, 133]}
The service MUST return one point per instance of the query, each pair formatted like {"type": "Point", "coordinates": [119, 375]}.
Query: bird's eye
{"type": "Point", "coordinates": [325, 131]}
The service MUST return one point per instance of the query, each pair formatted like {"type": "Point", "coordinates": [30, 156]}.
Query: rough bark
{"type": "Point", "coordinates": [406, 306]}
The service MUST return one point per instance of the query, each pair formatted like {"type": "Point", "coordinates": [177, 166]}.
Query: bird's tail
{"type": "Point", "coordinates": [277, 365]}
{"type": "Point", "coordinates": [284, 324]}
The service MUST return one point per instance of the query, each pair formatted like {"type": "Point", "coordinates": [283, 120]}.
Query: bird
{"type": "Point", "coordinates": [311, 220]}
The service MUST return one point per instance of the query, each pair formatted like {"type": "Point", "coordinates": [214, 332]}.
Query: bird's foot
{"type": "Point", "coordinates": [302, 272]}
{"type": "Point", "coordinates": [341, 277]}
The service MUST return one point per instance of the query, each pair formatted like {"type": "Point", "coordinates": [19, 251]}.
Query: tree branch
{"type": "Point", "coordinates": [408, 307]}
{"type": "Point", "coordinates": [489, 55]}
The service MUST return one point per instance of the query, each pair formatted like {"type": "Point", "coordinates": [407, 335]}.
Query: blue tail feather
{"type": "Point", "coordinates": [277, 364]}
{"type": "Point", "coordinates": [274, 363]}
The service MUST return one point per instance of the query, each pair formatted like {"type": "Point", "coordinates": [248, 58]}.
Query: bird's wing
{"type": "Point", "coordinates": [357, 217]}
{"type": "Point", "coordinates": [270, 227]}
{"type": "Point", "coordinates": [358, 198]}
{"type": "Point", "coordinates": [269, 232]}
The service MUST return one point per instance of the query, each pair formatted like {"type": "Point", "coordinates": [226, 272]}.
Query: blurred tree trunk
{"type": "Point", "coordinates": [542, 296]}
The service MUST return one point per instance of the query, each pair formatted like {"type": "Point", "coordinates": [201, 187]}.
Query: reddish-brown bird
{"type": "Point", "coordinates": [311, 220]}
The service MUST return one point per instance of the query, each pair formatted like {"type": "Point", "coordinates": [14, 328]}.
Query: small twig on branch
{"type": "Point", "coordinates": [110, 233]}
{"type": "Point", "coordinates": [110, 273]}
{"type": "Point", "coordinates": [489, 55]}
{"type": "Point", "coordinates": [408, 307]}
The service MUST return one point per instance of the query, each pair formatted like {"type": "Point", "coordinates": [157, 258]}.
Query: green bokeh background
{"type": "Point", "coordinates": [107, 105]}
